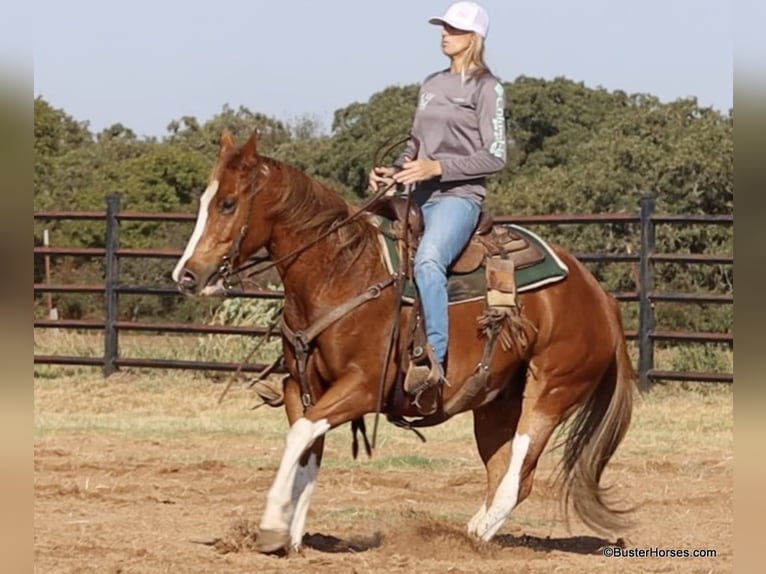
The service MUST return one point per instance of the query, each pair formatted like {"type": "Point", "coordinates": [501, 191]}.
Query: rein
{"type": "Point", "coordinates": [227, 269]}
{"type": "Point", "coordinates": [393, 338]}
{"type": "Point", "coordinates": [302, 340]}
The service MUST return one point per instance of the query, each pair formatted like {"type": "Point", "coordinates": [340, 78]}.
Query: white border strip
{"type": "Point", "coordinates": [544, 243]}
{"type": "Point", "coordinates": [548, 280]}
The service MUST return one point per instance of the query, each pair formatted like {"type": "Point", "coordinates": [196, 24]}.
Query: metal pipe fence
{"type": "Point", "coordinates": [112, 253]}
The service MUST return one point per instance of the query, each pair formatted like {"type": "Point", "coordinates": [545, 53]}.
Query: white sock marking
{"type": "Point", "coordinates": [473, 524]}
{"type": "Point", "coordinates": [305, 481]}
{"type": "Point", "coordinates": [507, 493]}
{"type": "Point", "coordinates": [199, 228]}
{"type": "Point", "coordinates": [301, 436]}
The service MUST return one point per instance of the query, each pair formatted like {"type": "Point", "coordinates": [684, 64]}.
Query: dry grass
{"type": "Point", "coordinates": [235, 348]}
{"type": "Point", "coordinates": [143, 402]}
{"type": "Point", "coordinates": [172, 406]}
{"type": "Point", "coordinates": [670, 418]}
{"type": "Point", "coordinates": [219, 348]}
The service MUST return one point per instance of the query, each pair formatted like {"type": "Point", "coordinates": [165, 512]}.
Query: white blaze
{"type": "Point", "coordinates": [199, 228]}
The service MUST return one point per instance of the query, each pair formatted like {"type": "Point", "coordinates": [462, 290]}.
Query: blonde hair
{"type": "Point", "coordinates": [474, 65]}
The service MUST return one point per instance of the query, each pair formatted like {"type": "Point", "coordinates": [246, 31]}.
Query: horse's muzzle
{"type": "Point", "coordinates": [190, 285]}
{"type": "Point", "coordinates": [187, 282]}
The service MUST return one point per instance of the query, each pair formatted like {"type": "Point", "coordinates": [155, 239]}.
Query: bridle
{"type": "Point", "coordinates": [227, 270]}
{"type": "Point", "coordinates": [302, 340]}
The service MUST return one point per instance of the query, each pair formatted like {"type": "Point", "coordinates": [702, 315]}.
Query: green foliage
{"type": "Point", "coordinates": [55, 134]}
{"type": "Point", "coordinates": [360, 128]}
{"type": "Point", "coordinates": [243, 313]}
{"type": "Point", "coordinates": [188, 133]}
{"type": "Point", "coordinates": [247, 312]}
{"type": "Point", "coordinates": [575, 150]}
{"type": "Point", "coordinates": [701, 359]}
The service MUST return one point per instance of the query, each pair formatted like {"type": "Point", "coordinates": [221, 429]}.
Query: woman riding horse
{"type": "Point", "coordinates": [338, 314]}
{"type": "Point", "coordinates": [457, 140]}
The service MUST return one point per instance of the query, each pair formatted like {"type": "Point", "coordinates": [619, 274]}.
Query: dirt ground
{"type": "Point", "coordinates": [130, 478]}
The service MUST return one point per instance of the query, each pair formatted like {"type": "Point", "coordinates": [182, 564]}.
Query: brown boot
{"type": "Point", "coordinates": [271, 391]}
{"type": "Point", "coordinates": [423, 382]}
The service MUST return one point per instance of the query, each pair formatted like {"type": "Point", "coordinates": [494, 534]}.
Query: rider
{"type": "Point", "coordinates": [457, 139]}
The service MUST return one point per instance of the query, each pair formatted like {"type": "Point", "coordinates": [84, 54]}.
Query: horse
{"type": "Point", "coordinates": [573, 371]}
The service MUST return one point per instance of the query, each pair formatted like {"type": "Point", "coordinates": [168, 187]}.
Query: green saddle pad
{"type": "Point", "coordinates": [462, 287]}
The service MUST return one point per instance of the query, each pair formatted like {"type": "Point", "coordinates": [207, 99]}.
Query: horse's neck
{"type": "Point", "coordinates": [320, 275]}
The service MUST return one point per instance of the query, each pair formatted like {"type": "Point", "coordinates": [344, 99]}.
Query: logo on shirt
{"type": "Point", "coordinates": [498, 123]}
{"type": "Point", "coordinates": [425, 97]}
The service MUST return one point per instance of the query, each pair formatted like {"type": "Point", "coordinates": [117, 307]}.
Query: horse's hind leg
{"type": "Point", "coordinates": [540, 415]}
{"type": "Point", "coordinates": [494, 425]}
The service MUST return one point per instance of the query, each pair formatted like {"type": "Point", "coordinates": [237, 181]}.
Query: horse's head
{"type": "Point", "coordinates": [229, 226]}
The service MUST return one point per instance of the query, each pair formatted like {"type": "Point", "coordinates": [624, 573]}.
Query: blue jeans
{"type": "Point", "coordinates": [449, 224]}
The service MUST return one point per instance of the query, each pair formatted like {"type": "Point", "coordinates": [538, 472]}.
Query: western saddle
{"type": "Point", "coordinates": [500, 250]}
{"type": "Point", "coordinates": [489, 241]}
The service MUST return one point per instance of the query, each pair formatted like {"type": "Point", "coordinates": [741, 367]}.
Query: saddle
{"type": "Point", "coordinates": [488, 242]}
{"type": "Point", "coordinates": [501, 251]}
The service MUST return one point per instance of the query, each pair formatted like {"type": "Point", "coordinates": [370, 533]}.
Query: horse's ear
{"type": "Point", "coordinates": [249, 151]}
{"type": "Point", "coordinates": [227, 142]}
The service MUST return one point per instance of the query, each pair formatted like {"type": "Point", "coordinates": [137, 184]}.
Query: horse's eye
{"type": "Point", "coordinates": [228, 205]}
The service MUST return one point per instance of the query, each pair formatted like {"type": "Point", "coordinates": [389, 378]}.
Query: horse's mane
{"type": "Point", "coordinates": [311, 206]}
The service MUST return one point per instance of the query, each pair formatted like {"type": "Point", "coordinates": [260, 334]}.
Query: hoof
{"type": "Point", "coordinates": [272, 541]}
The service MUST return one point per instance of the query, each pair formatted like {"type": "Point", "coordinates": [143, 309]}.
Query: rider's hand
{"type": "Point", "coordinates": [380, 176]}
{"type": "Point", "coordinates": [418, 170]}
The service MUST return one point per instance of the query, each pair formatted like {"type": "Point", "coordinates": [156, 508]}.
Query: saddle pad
{"type": "Point", "coordinates": [463, 287]}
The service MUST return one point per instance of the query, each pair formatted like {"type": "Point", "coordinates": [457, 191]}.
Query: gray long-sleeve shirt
{"type": "Point", "coordinates": [461, 124]}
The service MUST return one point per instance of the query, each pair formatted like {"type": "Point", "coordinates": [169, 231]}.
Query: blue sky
{"type": "Point", "coordinates": [146, 63]}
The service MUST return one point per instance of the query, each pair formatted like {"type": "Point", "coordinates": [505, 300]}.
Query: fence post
{"type": "Point", "coordinates": [646, 310]}
{"type": "Point", "coordinates": [111, 279]}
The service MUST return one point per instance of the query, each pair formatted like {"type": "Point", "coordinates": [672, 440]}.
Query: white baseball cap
{"type": "Point", "coordinates": [467, 16]}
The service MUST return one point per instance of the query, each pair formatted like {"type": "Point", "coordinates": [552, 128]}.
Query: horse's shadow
{"type": "Point", "coordinates": [333, 545]}
{"type": "Point", "coordinates": [572, 545]}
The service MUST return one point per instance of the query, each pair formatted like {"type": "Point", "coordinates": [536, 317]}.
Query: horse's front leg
{"type": "Point", "coordinates": [346, 400]}
{"type": "Point", "coordinates": [308, 468]}
{"type": "Point", "coordinates": [303, 490]}
{"type": "Point", "coordinates": [274, 527]}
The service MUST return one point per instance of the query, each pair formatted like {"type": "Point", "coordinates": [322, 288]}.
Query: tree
{"type": "Point", "coordinates": [360, 129]}
{"type": "Point", "coordinates": [204, 138]}
{"type": "Point", "coordinates": [55, 135]}
{"type": "Point", "coordinates": [574, 149]}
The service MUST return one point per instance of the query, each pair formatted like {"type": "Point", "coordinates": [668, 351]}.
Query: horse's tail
{"type": "Point", "coordinates": [594, 435]}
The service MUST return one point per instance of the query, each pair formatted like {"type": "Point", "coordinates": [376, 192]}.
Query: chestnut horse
{"type": "Point", "coordinates": [573, 368]}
